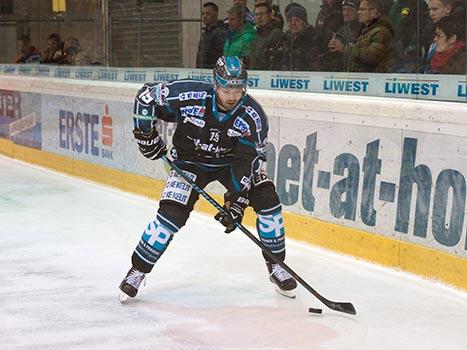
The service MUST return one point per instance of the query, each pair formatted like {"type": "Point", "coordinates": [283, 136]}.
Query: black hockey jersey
{"type": "Point", "coordinates": [205, 135]}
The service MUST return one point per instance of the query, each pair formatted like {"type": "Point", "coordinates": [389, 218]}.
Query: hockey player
{"type": "Point", "coordinates": [220, 135]}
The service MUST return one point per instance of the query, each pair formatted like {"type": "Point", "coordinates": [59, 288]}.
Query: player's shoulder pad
{"type": "Point", "coordinates": [152, 93]}
{"type": "Point", "coordinates": [255, 113]}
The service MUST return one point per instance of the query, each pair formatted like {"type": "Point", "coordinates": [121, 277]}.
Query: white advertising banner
{"type": "Point", "coordinates": [404, 185]}
{"type": "Point", "coordinates": [422, 86]}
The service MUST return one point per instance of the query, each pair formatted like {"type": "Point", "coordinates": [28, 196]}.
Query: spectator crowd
{"type": "Point", "coordinates": [56, 52]}
{"type": "Point", "coordinates": [381, 36]}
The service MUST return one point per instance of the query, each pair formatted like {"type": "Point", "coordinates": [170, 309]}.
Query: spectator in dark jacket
{"type": "Point", "coordinates": [54, 45]}
{"type": "Point", "coordinates": [277, 19]}
{"type": "Point", "coordinates": [266, 52]}
{"type": "Point", "coordinates": [413, 32]}
{"type": "Point", "coordinates": [372, 52]}
{"type": "Point", "coordinates": [298, 53]}
{"type": "Point", "coordinates": [27, 52]}
{"type": "Point", "coordinates": [333, 61]}
{"type": "Point", "coordinates": [211, 43]}
{"type": "Point", "coordinates": [328, 21]}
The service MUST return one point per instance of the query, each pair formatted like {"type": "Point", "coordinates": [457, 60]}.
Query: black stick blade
{"type": "Point", "coordinates": [348, 308]}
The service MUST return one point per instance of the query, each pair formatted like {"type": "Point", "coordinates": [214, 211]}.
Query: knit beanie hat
{"type": "Point", "coordinates": [296, 10]}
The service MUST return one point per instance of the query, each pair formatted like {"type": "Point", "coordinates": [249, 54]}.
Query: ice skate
{"type": "Point", "coordinates": [130, 284]}
{"type": "Point", "coordinates": [283, 281]}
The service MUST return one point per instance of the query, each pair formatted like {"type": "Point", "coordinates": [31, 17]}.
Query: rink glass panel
{"type": "Point", "coordinates": [165, 34]}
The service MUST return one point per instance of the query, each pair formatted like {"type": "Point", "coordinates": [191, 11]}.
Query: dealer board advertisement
{"type": "Point", "coordinates": [20, 118]}
{"type": "Point", "coordinates": [405, 185]}
{"type": "Point", "coordinates": [95, 131]}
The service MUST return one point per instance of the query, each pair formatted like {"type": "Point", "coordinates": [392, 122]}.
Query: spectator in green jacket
{"type": "Point", "coordinates": [241, 35]}
{"type": "Point", "coordinates": [266, 52]}
{"type": "Point", "coordinates": [373, 50]}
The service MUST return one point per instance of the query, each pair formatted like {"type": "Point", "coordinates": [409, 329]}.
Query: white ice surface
{"type": "Point", "coordinates": [65, 245]}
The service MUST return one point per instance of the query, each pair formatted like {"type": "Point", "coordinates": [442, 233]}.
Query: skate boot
{"type": "Point", "coordinates": [282, 280]}
{"type": "Point", "coordinates": [130, 284]}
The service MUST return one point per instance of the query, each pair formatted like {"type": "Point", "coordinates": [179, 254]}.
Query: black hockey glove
{"type": "Point", "coordinates": [150, 144]}
{"type": "Point", "coordinates": [235, 206]}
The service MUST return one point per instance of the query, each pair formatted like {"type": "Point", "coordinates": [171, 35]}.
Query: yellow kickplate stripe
{"type": "Point", "coordinates": [430, 263]}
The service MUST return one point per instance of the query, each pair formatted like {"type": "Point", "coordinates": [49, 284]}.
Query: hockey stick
{"type": "Point", "coordinates": [336, 306]}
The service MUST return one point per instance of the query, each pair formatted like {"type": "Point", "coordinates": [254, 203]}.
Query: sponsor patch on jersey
{"type": "Point", "coordinates": [195, 121]}
{"type": "Point", "coordinates": [233, 133]}
{"type": "Point", "coordinates": [209, 147]}
{"type": "Point", "coordinates": [192, 95]}
{"type": "Point", "coordinates": [255, 116]}
{"type": "Point", "coordinates": [242, 126]}
{"type": "Point", "coordinates": [160, 94]}
{"type": "Point", "coordinates": [197, 111]}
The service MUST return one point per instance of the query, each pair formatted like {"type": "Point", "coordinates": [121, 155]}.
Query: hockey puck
{"type": "Point", "coordinates": [314, 311]}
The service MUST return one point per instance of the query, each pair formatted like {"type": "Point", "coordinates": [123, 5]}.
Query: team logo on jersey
{"type": "Point", "coordinates": [192, 95]}
{"type": "Point", "coordinates": [255, 116]}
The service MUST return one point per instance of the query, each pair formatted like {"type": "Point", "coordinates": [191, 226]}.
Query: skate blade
{"type": "Point", "coordinates": [287, 293]}
{"type": "Point", "coordinates": [123, 297]}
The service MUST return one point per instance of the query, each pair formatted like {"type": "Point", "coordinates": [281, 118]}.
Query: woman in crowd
{"type": "Point", "coordinates": [449, 57]}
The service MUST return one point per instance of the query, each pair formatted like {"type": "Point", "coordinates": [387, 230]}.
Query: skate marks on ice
{"type": "Point", "coordinates": [63, 256]}
{"type": "Point", "coordinates": [243, 327]}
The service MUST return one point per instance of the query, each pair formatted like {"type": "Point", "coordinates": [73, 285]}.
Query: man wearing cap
{"type": "Point", "coordinates": [372, 52]}
{"type": "Point", "coordinates": [351, 28]}
{"type": "Point", "coordinates": [298, 44]}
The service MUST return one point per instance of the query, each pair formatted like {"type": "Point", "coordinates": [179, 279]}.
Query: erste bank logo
{"type": "Point", "coordinates": [85, 132]}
